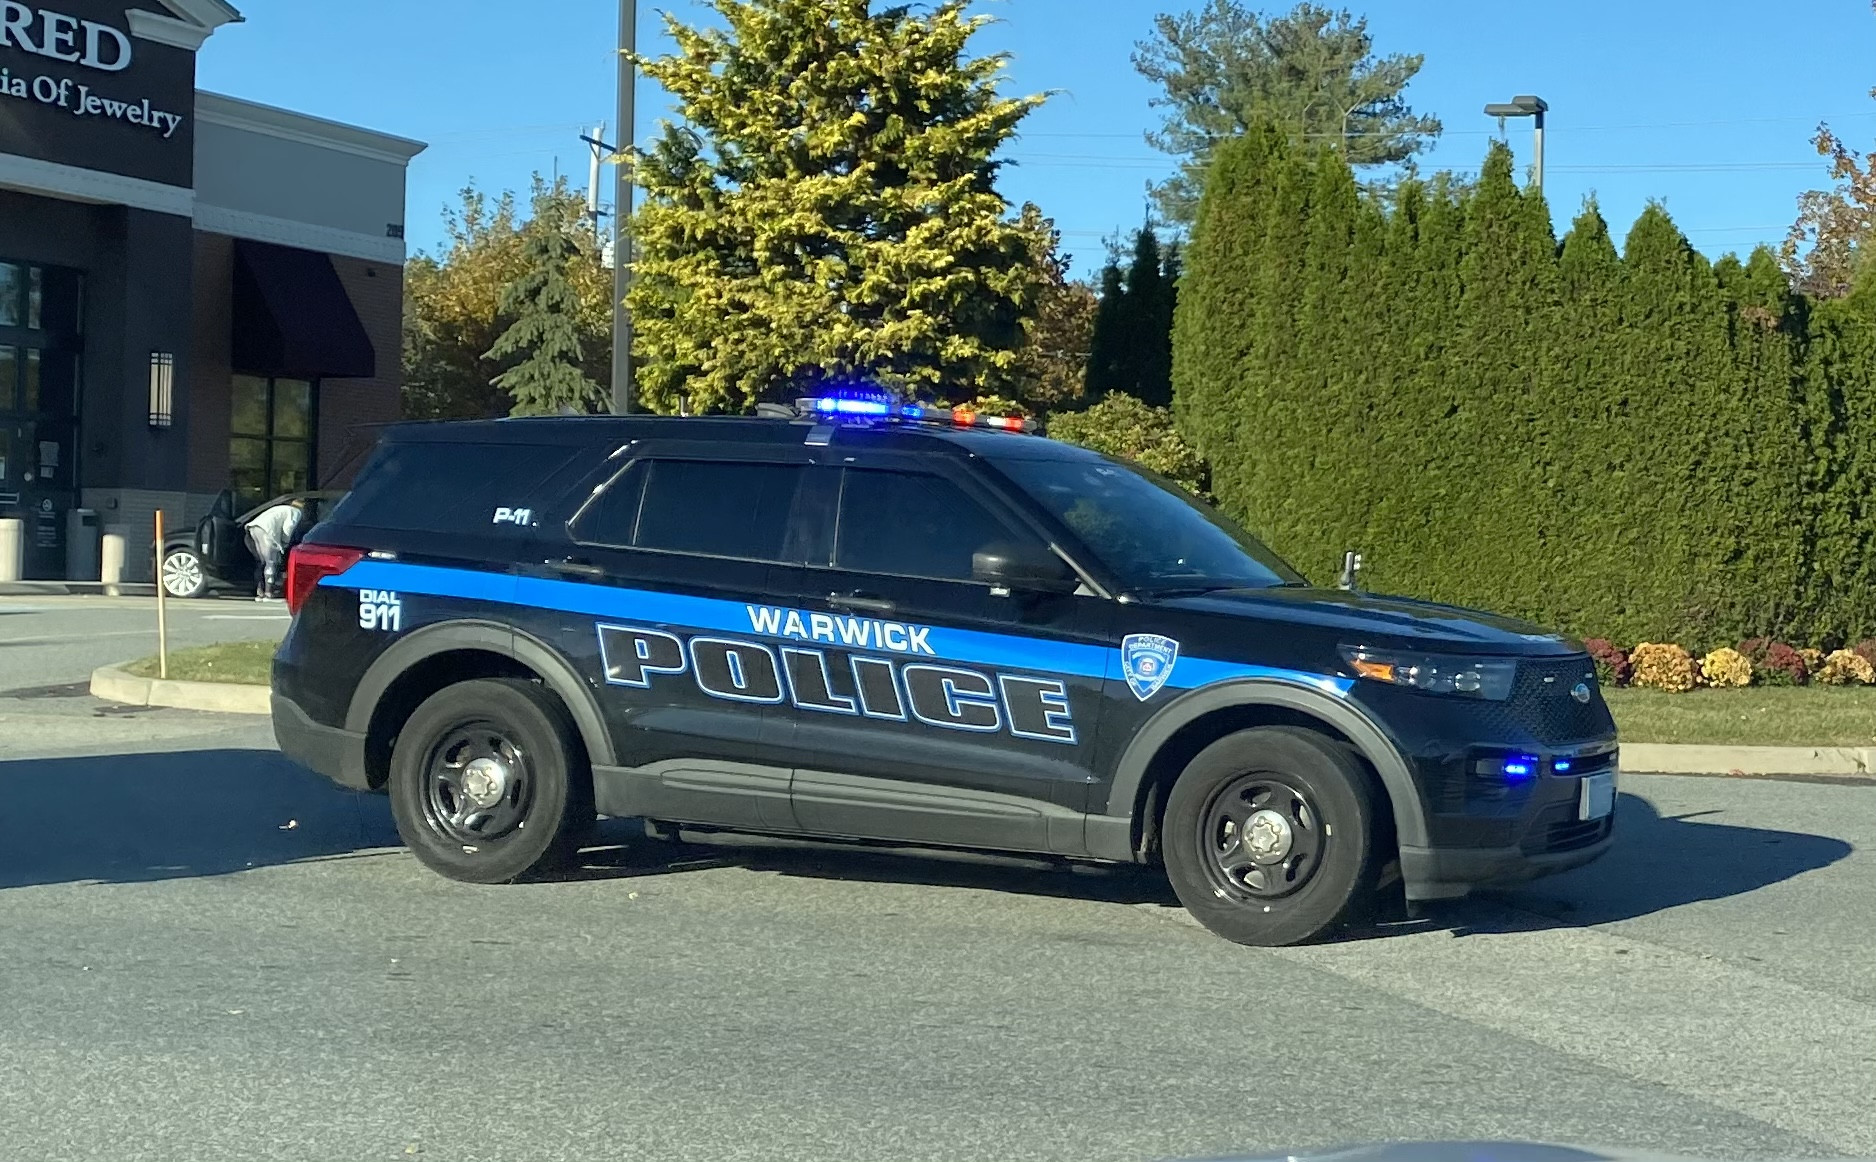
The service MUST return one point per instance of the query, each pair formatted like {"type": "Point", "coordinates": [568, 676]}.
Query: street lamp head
{"type": "Point", "coordinates": [1520, 106]}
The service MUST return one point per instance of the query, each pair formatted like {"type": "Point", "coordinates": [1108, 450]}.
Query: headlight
{"type": "Point", "coordinates": [1488, 678]}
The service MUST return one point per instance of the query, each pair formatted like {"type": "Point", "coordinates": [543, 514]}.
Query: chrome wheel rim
{"type": "Point", "coordinates": [182, 574]}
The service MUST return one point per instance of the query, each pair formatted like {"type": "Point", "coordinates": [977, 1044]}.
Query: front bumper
{"type": "Point", "coordinates": [1446, 873]}
{"type": "Point", "coordinates": [1479, 833]}
{"type": "Point", "coordinates": [331, 751]}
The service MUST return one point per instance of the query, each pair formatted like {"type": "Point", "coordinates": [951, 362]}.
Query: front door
{"type": "Point", "coordinates": [928, 707]}
{"type": "Point", "coordinates": [651, 592]}
{"type": "Point", "coordinates": [38, 409]}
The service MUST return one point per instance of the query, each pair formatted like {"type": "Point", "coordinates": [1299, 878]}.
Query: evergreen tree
{"type": "Point", "coordinates": [1311, 74]}
{"type": "Point", "coordinates": [1592, 467]}
{"type": "Point", "coordinates": [453, 299]}
{"type": "Point", "coordinates": [1132, 347]}
{"type": "Point", "coordinates": [1644, 446]}
{"type": "Point", "coordinates": [1149, 311]}
{"type": "Point", "coordinates": [828, 208]}
{"type": "Point", "coordinates": [1839, 389]}
{"type": "Point", "coordinates": [1107, 347]}
{"type": "Point", "coordinates": [548, 378]}
{"type": "Point", "coordinates": [1221, 306]}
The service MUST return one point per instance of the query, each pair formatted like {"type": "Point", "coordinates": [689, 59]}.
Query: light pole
{"type": "Point", "coordinates": [1534, 108]}
{"type": "Point", "coordinates": [622, 394]}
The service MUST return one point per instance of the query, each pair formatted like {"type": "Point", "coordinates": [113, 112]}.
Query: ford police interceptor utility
{"type": "Point", "coordinates": [876, 621]}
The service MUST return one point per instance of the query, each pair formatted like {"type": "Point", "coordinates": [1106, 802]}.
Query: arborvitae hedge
{"type": "Point", "coordinates": [1643, 446]}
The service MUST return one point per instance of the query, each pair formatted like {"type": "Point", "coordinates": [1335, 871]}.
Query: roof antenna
{"type": "Point", "coordinates": [1351, 571]}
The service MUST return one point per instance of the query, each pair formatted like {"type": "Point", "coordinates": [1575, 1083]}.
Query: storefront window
{"type": "Point", "coordinates": [270, 449]}
{"type": "Point", "coordinates": [22, 296]}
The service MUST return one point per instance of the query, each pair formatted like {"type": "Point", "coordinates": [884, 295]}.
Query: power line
{"type": "Point", "coordinates": [1332, 135]}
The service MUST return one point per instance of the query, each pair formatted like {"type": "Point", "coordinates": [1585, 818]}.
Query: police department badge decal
{"type": "Point", "coordinates": [1147, 661]}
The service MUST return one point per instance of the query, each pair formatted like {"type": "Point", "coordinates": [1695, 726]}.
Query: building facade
{"type": "Point", "coordinates": [197, 293]}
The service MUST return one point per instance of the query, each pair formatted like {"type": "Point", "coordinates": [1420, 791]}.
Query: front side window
{"type": "Point", "coordinates": [271, 427]}
{"type": "Point", "coordinates": [1148, 533]}
{"type": "Point", "coordinates": [911, 524]}
{"type": "Point", "coordinates": [713, 508]}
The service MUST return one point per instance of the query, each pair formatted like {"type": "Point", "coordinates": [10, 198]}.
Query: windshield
{"type": "Point", "coordinates": [1150, 534]}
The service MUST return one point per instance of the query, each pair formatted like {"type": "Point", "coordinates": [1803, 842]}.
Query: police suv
{"type": "Point", "coordinates": [881, 622]}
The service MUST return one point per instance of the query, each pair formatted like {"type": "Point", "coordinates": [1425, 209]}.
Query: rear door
{"type": "Point", "coordinates": [650, 593]}
{"type": "Point", "coordinates": [930, 708]}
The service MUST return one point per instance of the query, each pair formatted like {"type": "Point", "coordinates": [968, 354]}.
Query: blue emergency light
{"type": "Point", "coordinates": [870, 406]}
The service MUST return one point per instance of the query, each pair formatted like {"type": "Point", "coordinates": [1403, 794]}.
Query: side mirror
{"type": "Point", "coordinates": [1027, 567]}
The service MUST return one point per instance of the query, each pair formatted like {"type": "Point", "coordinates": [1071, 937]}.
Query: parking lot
{"type": "Point", "coordinates": [209, 953]}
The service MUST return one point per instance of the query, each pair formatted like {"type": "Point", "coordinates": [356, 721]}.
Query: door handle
{"type": "Point", "coordinates": [869, 602]}
{"type": "Point", "coordinates": [576, 566]}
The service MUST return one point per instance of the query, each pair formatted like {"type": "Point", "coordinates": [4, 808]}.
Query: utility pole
{"type": "Point", "coordinates": [622, 393]}
{"type": "Point", "coordinates": [598, 155]}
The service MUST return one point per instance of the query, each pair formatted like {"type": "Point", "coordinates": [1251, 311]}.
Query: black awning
{"type": "Point", "coordinates": [292, 316]}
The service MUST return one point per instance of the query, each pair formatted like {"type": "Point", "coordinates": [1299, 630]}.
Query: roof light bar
{"type": "Point", "coordinates": [879, 408]}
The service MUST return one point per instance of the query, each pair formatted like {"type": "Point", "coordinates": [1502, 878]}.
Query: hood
{"type": "Point", "coordinates": [1370, 618]}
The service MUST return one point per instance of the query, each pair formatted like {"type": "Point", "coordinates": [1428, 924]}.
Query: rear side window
{"type": "Point", "coordinates": [911, 524]}
{"type": "Point", "coordinates": [715, 508]}
{"type": "Point", "coordinates": [455, 487]}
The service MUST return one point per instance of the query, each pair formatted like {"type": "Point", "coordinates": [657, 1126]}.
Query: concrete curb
{"type": "Point", "coordinates": [113, 684]}
{"type": "Point", "coordinates": [1838, 762]}
{"type": "Point", "coordinates": [77, 588]}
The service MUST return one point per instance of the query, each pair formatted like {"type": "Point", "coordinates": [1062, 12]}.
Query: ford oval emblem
{"type": "Point", "coordinates": [1580, 692]}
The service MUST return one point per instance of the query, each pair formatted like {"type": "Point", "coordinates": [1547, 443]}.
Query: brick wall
{"type": "Point", "coordinates": [352, 411]}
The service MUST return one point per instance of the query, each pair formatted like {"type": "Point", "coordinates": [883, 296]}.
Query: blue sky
{"type": "Point", "coordinates": [1707, 106]}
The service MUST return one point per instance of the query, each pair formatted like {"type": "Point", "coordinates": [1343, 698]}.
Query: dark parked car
{"type": "Point", "coordinates": [215, 554]}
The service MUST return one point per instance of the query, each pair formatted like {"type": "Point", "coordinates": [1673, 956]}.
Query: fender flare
{"type": "Point", "coordinates": [1368, 738]}
{"type": "Point", "coordinates": [489, 637]}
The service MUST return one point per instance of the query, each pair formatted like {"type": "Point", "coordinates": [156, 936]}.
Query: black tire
{"type": "Point", "coordinates": [505, 741]}
{"type": "Point", "coordinates": [1303, 862]}
{"type": "Point", "coordinates": [181, 573]}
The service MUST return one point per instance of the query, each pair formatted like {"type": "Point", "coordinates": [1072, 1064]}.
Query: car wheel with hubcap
{"type": "Point", "coordinates": [182, 574]}
{"type": "Point", "coordinates": [489, 782]}
{"type": "Point", "coordinates": [1269, 836]}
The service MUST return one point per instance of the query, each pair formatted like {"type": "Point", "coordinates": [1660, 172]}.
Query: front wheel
{"type": "Point", "coordinates": [1269, 836]}
{"type": "Point", "coordinates": [489, 782]}
{"type": "Point", "coordinates": [183, 574]}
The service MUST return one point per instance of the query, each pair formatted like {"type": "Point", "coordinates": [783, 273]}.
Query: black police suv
{"type": "Point", "coordinates": [886, 623]}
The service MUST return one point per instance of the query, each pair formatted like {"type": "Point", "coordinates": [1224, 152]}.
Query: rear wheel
{"type": "Point", "coordinates": [489, 782]}
{"type": "Point", "coordinates": [1269, 836]}
{"type": "Point", "coordinates": [182, 574]}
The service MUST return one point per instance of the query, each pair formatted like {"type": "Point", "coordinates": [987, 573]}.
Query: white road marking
{"type": "Point", "coordinates": [247, 617]}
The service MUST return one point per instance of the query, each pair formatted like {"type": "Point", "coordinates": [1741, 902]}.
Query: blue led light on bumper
{"type": "Point", "coordinates": [1519, 767]}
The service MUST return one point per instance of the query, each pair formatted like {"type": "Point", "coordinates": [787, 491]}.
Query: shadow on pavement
{"type": "Point", "coordinates": [1661, 862]}
{"type": "Point", "coordinates": [625, 853]}
{"type": "Point", "coordinates": [1658, 863]}
{"type": "Point", "coordinates": [154, 816]}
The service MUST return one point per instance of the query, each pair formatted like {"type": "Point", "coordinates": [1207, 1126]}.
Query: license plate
{"type": "Point", "coordinates": [1596, 799]}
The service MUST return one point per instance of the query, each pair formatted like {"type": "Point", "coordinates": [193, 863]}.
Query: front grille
{"type": "Point", "coordinates": [1557, 828]}
{"type": "Point", "coordinates": [1543, 710]}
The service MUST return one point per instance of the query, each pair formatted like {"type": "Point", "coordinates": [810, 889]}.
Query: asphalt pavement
{"type": "Point", "coordinates": [52, 641]}
{"type": "Point", "coordinates": [209, 953]}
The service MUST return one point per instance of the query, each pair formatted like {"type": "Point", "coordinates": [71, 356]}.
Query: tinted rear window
{"type": "Point", "coordinates": [713, 508]}
{"type": "Point", "coordinates": [453, 487]}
